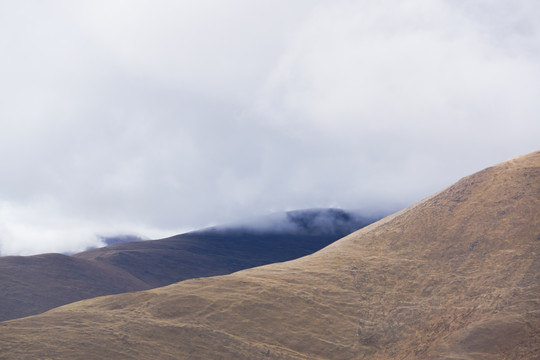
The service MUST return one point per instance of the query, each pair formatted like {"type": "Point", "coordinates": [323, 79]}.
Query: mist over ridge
{"type": "Point", "coordinates": [321, 221]}
{"type": "Point", "coordinates": [33, 284]}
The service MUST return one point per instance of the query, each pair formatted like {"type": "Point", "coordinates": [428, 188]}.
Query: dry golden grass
{"type": "Point", "coordinates": [456, 276]}
{"type": "Point", "coordinates": [30, 285]}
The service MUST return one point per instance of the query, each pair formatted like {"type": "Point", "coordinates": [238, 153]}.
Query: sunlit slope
{"type": "Point", "coordinates": [456, 276]}
{"type": "Point", "coordinates": [30, 285]}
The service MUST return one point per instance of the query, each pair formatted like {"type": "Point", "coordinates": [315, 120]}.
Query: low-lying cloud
{"type": "Point", "coordinates": [155, 117]}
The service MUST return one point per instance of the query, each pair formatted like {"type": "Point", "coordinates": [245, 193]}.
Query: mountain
{"type": "Point", "coordinates": [455, 276]}
{"type": "Point", "coordinates": [34, 284]}
{"type": "Point", "coordinates": [111, 240]}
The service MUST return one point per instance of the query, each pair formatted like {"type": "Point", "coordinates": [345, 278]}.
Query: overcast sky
{"type": "Point", "coordinates": [152, 117]}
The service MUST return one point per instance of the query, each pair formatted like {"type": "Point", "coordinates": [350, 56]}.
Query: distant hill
{"type": "Point", "coordinates": [111, 240]}
{"type": "Point", "coordinates": [32, 284]}
{"type": "Point", "coordinates": [328, 222]}
{"type": "Point", "coordinates": [455, 276]}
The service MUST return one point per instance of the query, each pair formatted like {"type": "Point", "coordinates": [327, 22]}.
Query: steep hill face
{"type": "Point", "coordinates": [456, 276]}
{"type": "Point", "coordinates": [34, 284]}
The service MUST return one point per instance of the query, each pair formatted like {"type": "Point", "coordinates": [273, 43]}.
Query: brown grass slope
{"type": "Point", "coordinates": [456, 276]}
{"type": "Point", "coordinates": [30, 285]}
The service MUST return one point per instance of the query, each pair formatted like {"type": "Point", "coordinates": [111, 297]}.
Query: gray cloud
{"type": "Point", "coordinates": [154, 117]}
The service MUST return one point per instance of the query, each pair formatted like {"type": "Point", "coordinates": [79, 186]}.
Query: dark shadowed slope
{"type": "Point", "coordinates": [456, 276]}
{"type": "Point", "coordinates": [33, 284]}
{"type": "Point", "coordinates": [223, 250]}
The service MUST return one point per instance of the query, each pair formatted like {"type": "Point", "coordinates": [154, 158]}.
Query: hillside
{"type": "Point", "coordinates": [456, 276]}
{"type": "Point", "coordinates": [34, 284]}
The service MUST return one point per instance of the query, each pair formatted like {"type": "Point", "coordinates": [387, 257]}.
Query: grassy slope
{"type": "Point", "coordinates": [33, 284]}
{"type": "Point", "coordinates": [202, 254]}
{"type": "Point", "coordinates": [455, 276]}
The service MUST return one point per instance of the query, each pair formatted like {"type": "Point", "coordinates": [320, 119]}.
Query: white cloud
{"type": "Point", "coordinates": [416, 82]}
{"type": "Point", "coordinates": [150, 117]}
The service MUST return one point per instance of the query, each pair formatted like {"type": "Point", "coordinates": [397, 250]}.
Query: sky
{"type": "Point", "coordinates": [158, 117]}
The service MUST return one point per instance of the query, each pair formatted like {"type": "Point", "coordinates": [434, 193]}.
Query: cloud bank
{"type": "Point", "coordinates": [154, 117]}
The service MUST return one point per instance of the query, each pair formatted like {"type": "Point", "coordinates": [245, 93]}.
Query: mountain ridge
{"type": "Point", "coordinates": [455, 276]}
{"type": "Point", "coordinates": [33, 284]}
